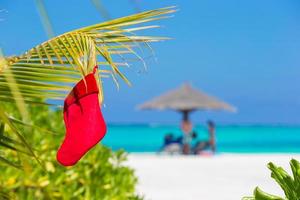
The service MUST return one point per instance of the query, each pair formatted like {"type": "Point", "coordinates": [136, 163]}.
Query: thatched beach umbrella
{"type": "Point", "coordinates": [186, 99]}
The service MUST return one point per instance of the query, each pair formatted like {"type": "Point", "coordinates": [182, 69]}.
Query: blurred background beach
{"type": "Point", "coordinates": [243, 52]}
{"type": "Point", "coordinates": [143, 138]}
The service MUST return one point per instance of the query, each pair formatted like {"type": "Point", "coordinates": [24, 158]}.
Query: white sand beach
{"type": "Point", "coordinates": [221, 177]}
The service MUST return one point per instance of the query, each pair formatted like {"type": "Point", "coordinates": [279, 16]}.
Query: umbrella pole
{"type": "Point", "coordinates": [186, 124]}
{"type": "Point", "coordinates": [185, 115]}
{"type": "Point", "coordinates": [186, 128]}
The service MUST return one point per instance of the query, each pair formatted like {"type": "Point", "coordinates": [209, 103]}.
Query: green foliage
{"type": "Point", "coordinates": [290, 185]}
{"type": "Point", "coordinates": [50, 68]}
{"type": "Point", "coordinates": [101, 174]}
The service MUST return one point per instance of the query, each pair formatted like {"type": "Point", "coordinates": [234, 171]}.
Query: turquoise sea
{"type": "Point", "coordinates": [230, 138]}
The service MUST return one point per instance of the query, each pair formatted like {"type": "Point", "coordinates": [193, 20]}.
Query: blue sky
{"type": "Point", "coordinates": [244, 52]}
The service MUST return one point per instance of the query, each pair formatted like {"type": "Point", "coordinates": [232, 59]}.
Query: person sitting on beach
{"type": "Point", "coordinates": [211, 143]}
{"type": "Point", "coordinates": [169, 138]}
{"type": "Point", "coordinates": [171, 145]}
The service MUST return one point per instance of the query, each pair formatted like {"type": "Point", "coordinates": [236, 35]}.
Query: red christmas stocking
{"type": "Point", "coordinates": [85, 126]}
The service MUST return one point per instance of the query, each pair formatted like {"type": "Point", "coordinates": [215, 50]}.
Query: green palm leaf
{"type": "Point", "coordinates": [51, 68]}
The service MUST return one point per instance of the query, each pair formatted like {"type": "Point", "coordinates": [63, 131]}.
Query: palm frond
{"type": "Point", "coordinates": [4, 195]}
{"type": "Point", "coordinates": [6, 120]}
{"type": "Point", "coordinates": [48, 70]}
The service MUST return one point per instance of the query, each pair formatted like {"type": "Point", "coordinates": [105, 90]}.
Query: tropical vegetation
{"type": "Point", "coordinates": [289, 184]}
{"type": "Point", "coordinates": [101, 174]}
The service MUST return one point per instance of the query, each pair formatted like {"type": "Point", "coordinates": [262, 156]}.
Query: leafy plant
{"type": "Point", "coordinates": [100, 175]}
{"type": "Point", "coordinates": [290, 185]}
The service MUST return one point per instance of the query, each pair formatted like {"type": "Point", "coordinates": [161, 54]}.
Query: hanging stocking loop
{"type": "Point", "coordinates": [95, 69]}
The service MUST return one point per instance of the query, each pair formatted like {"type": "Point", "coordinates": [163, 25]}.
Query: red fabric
{"type": "Point", "coordinates": [85, 126]}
